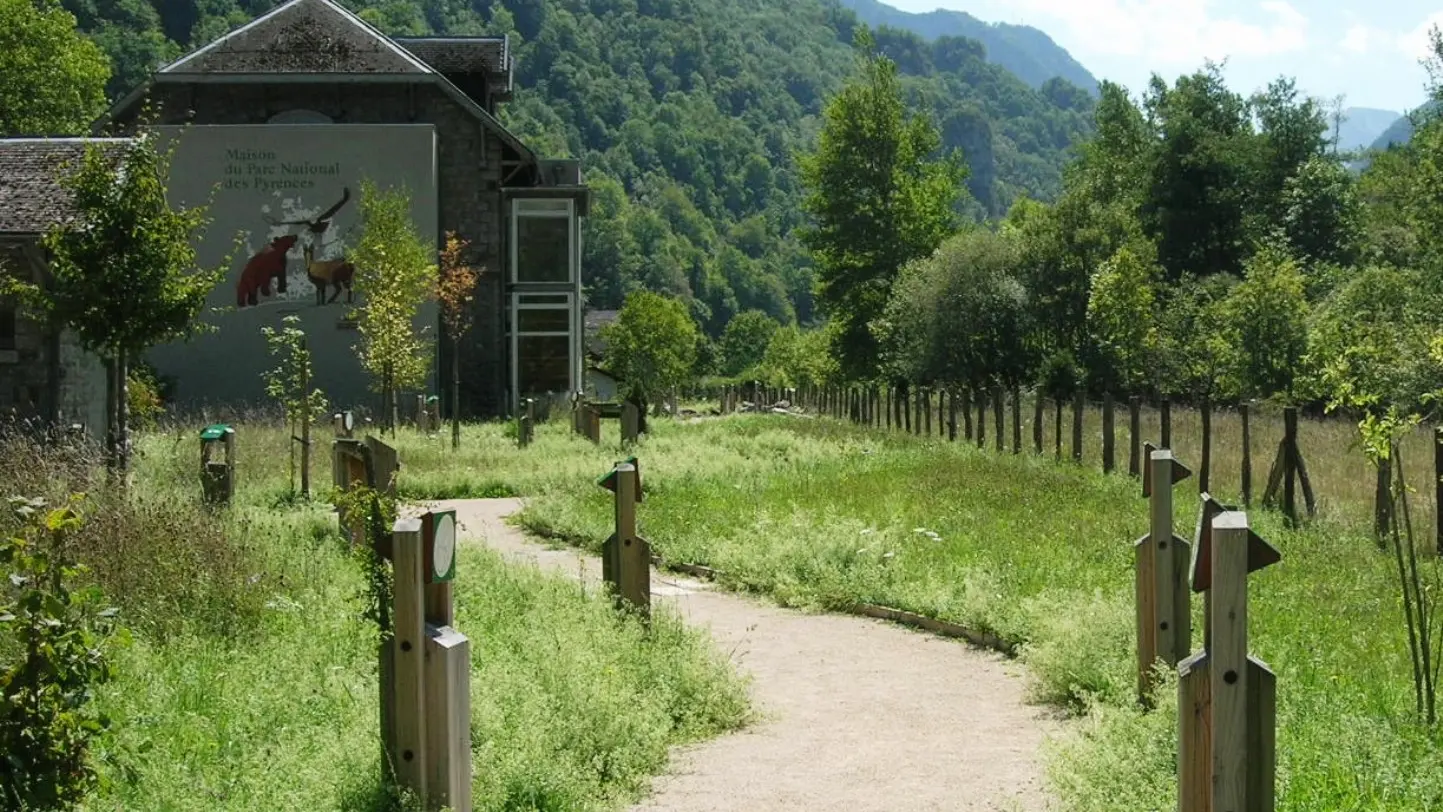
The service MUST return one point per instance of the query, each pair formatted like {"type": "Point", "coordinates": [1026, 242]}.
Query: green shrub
{"type": "Point", "coordinates": [53, 641]}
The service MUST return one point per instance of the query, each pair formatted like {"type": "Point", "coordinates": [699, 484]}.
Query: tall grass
{"type": "Point", "coordinates": [250, 680]}
{"type": "Point", "coordinates": [817, 513]}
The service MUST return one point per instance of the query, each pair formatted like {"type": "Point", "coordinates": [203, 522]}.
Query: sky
{"type": "Point", "coordinates": [1367, 52]}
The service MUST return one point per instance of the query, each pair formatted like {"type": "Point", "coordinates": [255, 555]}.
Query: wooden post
{"type": "Point", "coordinates": [981, 419]}
{"type": "Point", "coordinates": [626, 556]}
{"type": "Point", "coordinates": [917, 410]}
{"type": "Point", "coordinates": [1290, 438]}
{"type": "Point", "coordinates": [1079, 404]}
{"type": "Point", "coordinates": [1108, 437]}
{"type": "Point", "coordinates": [1016, 419]}
{"type": "Point", "coordinates": [408, 656]}
{"type": "Point", "coordinates": [1038, 407]}
{"type": "Point", "coordinates": [1247, 473]}
{"type": "Point", "coordinates": [1205, 408]}
{"type": "Point", "coordinates": [1134, 427]}
{"type": "Point", "coordinates": [1165, 418]}
{"type": "Point", "coordinates": [997, 414]}
{"type": "Point", "coordinates": [926, 405]}
{"type": "Point", "coordinates": [966, 409]}
{"type": "Point", "coordinates": [1057, 428]}
{"type": "Point", "coordinates": [1164, 621]}
{"type": "Point", "coordinates": [630, 422]}
{"type": "Point", "coordinates": [1227, 699]}
{"type": "Point", "coordinates": [952, 414]}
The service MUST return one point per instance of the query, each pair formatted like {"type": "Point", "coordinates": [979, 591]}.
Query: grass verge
{"type": "Point", "coordinates": [818, 514]}
{"type": "Point", "coordinates": [250, 679]}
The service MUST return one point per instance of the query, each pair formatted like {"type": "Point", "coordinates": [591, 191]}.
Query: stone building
{"type": "Point", "coordinates": [281, 113]}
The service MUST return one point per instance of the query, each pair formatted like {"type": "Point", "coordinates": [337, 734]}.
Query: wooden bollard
{"type": "Point", "coordinates": [1227, 699]}
{"type": "Point", "coordinates": [1164, 620]}
{"type": "Point", "coordinates": [526, 423]}
{"type": "Point", "coordinates": [626, 556]}
{"type": "Point", "coordinates": [428, 698]}
{"type": "Point", "coordinates": [630, 422]}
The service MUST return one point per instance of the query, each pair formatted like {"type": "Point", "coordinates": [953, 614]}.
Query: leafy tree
{"type": "Point", "coordinates": [290, 384]}
{"type": "Point", "coordinates": [1197, 350]}
{"type": "Point", "coordinates": [1269, 320]}
{"type": "Point", "coordinates": [52, 79]}
{"type": "Point", "coordinates": [395, 275]}
{"type": "Point", "coordinates": [123, 272]}
{"type": "Point", "coordinates": [652, 344]}
{"type": "Point", "coordinates": [455, 290]}
{"type": "Point", "coordinates": [876, 199]}
{"type": "Point", "coordinates": [798, 357]}
{"type": "Point", "coordinates": [745, 341]}
{"type": "Point", "coordinates": [1320, 213]}
{"type": "Point", "coordinates": [957, 315]}
{"type": "Point", "coordinates": [1122, 316]}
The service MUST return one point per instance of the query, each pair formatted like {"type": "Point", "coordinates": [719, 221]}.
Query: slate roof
{"type": "Point", "coordinates": [31, 196]}
{"type": "Point", "coordinates": [461, 54]}
{"type": "Point", "coordinates": [593, 321]}
{"type": "Point", "coordinates": [302, 36]}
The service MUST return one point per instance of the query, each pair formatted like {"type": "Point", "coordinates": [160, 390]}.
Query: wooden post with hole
{"type": "Point", "coordinates": [626, 556]}
{"type": "Point", "coordinates": [1164, 621]}
{"type": "Point", "coordinates": [1227, 699]}
{"type": "Point", "coordinates": [408, 699]}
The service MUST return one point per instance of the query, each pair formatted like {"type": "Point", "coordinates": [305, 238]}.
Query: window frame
{"type": "Point", "coordinates": [545, 209]}
{"type": "Point", "coordinates": [532, 300]}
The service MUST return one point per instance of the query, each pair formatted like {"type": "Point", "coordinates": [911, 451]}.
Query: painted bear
{"type": "Point", "coordinates": [268, 263]}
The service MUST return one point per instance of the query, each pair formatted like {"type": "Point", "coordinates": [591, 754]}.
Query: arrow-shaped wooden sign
{"type": "Point", "coordinates": [1179, 471]}
{"type": "Point", "coordinates": [1261, 554]}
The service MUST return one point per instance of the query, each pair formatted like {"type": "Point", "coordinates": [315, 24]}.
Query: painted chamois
{"type": "Point", "coordinates": [337, 272]}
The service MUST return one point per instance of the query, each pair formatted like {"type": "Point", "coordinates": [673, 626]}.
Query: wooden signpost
{"type": "Point", "coordinates": [429, 701]}
{"type": "Point", "coordinates": [626, 556]}
{"type": "Point", "coordinates": [1227, 699]}
{"type": "Point", "coordinates": [1164, 620]}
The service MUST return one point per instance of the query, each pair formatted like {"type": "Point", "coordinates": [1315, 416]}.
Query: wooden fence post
{"type": "Point", "coordinates": [1134, 427]}
{"type": "Point", "coordinates": [1079, 405]}
{"type": "Point", "coordinates": [626, 556]}
{"type": "Point", "coordinates": [630, 422]}
{"type": "Point", "coordinates": [1057, 428]}
{"type": "Point", "coordinates": [1164, 624]}
{"type": "Point", "coordinates": [966, 409]}
{"type": "Point", "coordinates": [997, 413]}
{"type": "Point", "coordinates": [1205, 409]}
{"type": "Point", "coordinates": [1038, 408]}
{"type": "Point", "coordinates": [1438, 488]}
{"type": "Point", "coordinates": [1016, 419]}
{"type": "Point", "coordinates": [1165, 419]}
{"type": "Point", "coordinates": [1109, 439]}
{"type": "Point", "coordinates": [981, 418]}
{"type": "Point", "coordinates": [1289, 470]}
{"type": "Point", "coordinates": [1227, 699]}
{"type": "Point", "coordinates": [926, 406]}
{"type": "Point", "coordinates": [408, 655]}
{"type": "Point", "coordinates": [1243, 412]}
{"type": "Point", "coordinates": [952, 414]}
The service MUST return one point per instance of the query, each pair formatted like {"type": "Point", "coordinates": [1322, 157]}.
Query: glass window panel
{"type": "Point", "coordinates": [543, 364]}
{"type": "Point", "coordinates": [549, 320]}
{"type": "Point", "coordinates": [543, 249]}
{"type": "Point", "coordinates": [544, 298]}
{"type": "Point", "coordinates": [543, 206]}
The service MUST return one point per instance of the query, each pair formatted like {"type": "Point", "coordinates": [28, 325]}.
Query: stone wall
{"type": "Point", "coordinates": [468, 173]}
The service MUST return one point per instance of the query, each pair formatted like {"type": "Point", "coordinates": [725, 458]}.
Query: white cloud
{"type": "Point", "coordinates": [1416, 43]}
{"type": "Point", "coordinates": [1360, 39]}
{"type": "Point", "coordinates": [1171, 33]}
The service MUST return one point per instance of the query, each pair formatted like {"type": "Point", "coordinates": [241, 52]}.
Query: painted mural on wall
{"type": "Point", "coordinates": [284, 205]}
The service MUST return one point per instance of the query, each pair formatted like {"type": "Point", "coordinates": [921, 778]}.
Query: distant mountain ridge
{"type": "Point", "coordinates": [1025, 51]}
{"type": "Point", "coordinates": [1362, 126]}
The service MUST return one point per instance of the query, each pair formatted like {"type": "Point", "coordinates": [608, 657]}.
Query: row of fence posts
{"type": "Point", "coordinates": [424, 662]}
{"type": "Point", "coordinates": [762, 398]}
{"type": "Point", "coordinates": [1227, 699]}
{"type": "Point", "coordinates": [913, 411]}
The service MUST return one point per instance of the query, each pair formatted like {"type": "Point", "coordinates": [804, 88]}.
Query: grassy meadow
{"type": "Point", "coordinates": [820, 514]}
{"type": "Point", "coordinates": [249, 681]}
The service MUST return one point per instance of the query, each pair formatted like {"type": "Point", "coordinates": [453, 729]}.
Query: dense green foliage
{"type": "Point", "coordinates": [55, 641]}
{"type": "Point", "coordinates": [652, 345]}
{"type": "Point", "coordinates": [52, 81]}
{"type": "Point", "coordinates": [687, 116]}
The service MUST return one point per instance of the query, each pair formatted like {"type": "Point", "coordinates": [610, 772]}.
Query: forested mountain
{"type": "Point", "coordinates": [1361, 126]}
{"type": "Point", "coordinates": [1022, 49]}
{"type": "Point", "coordinates": [687, 116]}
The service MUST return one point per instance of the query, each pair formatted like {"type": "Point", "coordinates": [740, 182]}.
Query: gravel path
{"type": "Point", "coordinates": [859, 715]}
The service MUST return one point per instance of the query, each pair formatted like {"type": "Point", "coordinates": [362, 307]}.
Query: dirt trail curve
{"type": "Point", "coordinates": [858, 715]}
